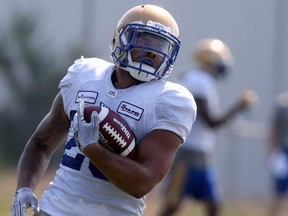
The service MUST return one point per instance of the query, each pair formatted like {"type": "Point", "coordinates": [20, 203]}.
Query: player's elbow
{"type": "Point", "coordinates": [141, 187]}
{"type": "Point", "coordinates": [140, 191]}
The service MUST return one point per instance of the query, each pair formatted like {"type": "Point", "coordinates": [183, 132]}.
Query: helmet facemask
{"type": "Point", "coordinates": [137, 36]}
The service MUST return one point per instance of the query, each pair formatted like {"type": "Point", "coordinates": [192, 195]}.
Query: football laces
{"type": "Point", "coordinates": [116, 136]}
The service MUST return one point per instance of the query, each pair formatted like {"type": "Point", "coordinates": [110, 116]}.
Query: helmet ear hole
{"type": "Point", "coordinates": [113, 42]}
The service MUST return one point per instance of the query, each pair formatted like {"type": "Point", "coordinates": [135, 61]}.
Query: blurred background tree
{"type": "Point", "coordinates": [30, 73]}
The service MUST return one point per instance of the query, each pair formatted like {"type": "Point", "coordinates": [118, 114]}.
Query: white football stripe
{"type": "Point", "coordinates": [103, 113]}
{"type": "Point", "coordinates": [129, 149]}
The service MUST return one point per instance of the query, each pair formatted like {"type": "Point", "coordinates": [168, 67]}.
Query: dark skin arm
{"type": "Point", "coordinates": [212, 120]}
{"type": "Point", "coordinates": [49, 135]}
{"type": "Point", "coordinates": [137, 178]}
{"type": "Point", "coordinates": [155, 155]}
{"type": "Point", "coordinates": [247, 98]}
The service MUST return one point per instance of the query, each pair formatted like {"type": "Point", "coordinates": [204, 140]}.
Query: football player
{"type": "Point", "coordinates": [92, 180]}
{"type": "Point", "coordinates": [193, 174]}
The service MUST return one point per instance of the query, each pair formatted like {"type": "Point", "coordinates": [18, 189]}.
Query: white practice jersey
{"type": "Point", "coordinates": [202, 85]}
{"type": "Point", "coordinates": [79, 188]}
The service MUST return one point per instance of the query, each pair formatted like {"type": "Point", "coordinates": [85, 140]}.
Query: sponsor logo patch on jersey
{"type": "Point", "coordinates": [130, 110]}
{"type": "Point", "coordinates": [87, 97]}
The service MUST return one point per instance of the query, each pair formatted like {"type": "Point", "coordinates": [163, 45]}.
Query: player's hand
{"type": "Point", "coordinates": [86, 133]}
{"type": "Point", "coordinates": [248, 98]}
{"type": "Point", "coordinates": [24, 198]}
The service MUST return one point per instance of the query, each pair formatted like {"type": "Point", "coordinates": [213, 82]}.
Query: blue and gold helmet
{"type": "Point", "coordinates": [135, 30]}
{"type": "Point", "coordinates": [214, 56]}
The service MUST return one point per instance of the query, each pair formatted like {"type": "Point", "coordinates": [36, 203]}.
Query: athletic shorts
{"type": "Point", "coordinates": [200, 178]}
{"type": "Point", "coordinates": [201, 184]}
{"type": "Point", "coordinates": [280, 182]}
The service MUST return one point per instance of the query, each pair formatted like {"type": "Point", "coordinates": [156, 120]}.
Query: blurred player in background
{"type": "Point", "coordinates": [92, 180]}
{"type": "Point", "coordinates": [278, 154]}
{"type": "Point", "coordinates": [193, 174]}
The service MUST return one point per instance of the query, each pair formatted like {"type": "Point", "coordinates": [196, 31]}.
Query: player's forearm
{"type": "Point", "coordinates": [228, 116]}
{"type": "Point", "coordinates": [32, 166]}
{"type": "Point", "coordinates": [238, 107]}
{"type": "Point", "coordinates": [124, 173]}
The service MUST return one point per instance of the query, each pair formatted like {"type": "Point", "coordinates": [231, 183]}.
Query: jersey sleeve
{"type": "Point", "coordinates": [175, 110]}
{"type": "Point", "coordinates": [83, 70]}
{"type": "Point", "coordinates": [70, 83]}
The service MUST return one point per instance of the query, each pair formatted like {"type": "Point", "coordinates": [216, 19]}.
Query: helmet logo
{"type": "Point", "coordinates": [159, 26]}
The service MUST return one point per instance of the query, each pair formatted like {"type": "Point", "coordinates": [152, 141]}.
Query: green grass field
{"type": "Point", "coordinates": [230, 208]}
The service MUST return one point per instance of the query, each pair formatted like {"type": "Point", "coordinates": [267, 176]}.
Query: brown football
{"type": "Point", "coordinates": [114, 132]}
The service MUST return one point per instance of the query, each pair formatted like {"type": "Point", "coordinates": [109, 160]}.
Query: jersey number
{"type": "Point", "coordinates": [76, 162]}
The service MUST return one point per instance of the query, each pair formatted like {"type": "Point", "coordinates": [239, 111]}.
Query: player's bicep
{"type": "Point", "coordinates": [52, 130]}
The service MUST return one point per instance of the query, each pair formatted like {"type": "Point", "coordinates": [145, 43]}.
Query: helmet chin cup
{"type": "Point", "coordinates": [144, 75]}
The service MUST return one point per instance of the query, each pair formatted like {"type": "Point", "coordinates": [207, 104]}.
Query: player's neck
{"type": "Point", "coordinates": [122, 79]}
